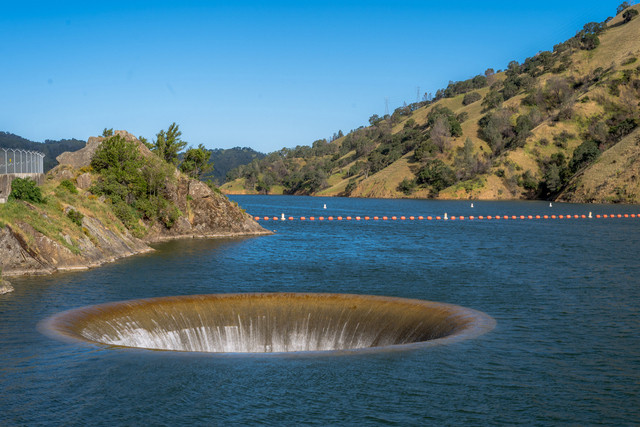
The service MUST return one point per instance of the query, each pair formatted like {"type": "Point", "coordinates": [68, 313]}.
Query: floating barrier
{"type": "Point", "coordinates": [446, 217]}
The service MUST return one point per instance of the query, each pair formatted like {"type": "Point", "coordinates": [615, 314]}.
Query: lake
{"type": "Point", "coordinates": [565, 294]}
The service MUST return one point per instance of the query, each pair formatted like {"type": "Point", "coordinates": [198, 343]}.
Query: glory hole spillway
{"type": "Point", "coordinates": [270, 323]}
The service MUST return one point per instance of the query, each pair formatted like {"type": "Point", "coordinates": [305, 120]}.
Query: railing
{"type": "Point", "coordinates": [15, 160]}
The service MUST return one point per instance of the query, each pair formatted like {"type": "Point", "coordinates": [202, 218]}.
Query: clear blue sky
{"type": "Point", "coordinates": [263, 74]}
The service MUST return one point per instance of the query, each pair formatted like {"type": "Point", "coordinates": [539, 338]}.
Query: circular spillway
{"type": "Point", "coordinates": [270, 323]}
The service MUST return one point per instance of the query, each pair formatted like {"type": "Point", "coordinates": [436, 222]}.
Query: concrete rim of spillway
{"type": "Point", "coordinates": [453, 323]}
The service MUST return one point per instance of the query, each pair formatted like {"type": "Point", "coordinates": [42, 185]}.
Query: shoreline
{"type": "Point", "coordinates": [148, 249]}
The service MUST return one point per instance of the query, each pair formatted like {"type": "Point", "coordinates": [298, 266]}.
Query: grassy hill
{"type": "Point", "coordinates": [548, 128]}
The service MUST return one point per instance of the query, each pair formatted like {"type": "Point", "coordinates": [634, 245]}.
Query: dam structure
{"type": "Point", "coordinates": [270, 323]}
{"type": "Point", "coordinates": [18, 163]}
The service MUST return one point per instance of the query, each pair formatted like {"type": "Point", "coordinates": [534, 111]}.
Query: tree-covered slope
{"type": "Point", "coordinates": [530, 131]}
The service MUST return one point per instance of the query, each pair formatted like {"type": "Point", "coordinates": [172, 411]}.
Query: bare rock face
{"type": "Point", "coordinates": [24, 250]}
{"type": "Point", "coordinates": [82, 157]}
{"type": "Point", "coordinates": [5, 287]}
{"type": "Point", "coordinates": [206, 213]}
{"type": "Point", "coordinates": [84, 181]}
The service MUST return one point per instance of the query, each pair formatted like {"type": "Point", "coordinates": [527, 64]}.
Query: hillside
{"type": "Point", "coordinates": [226, 159]}
{"type": "Point", "coordinates": [532, 131]}
{"type": "Point", "coordinates": [50, 148]}
{"type": "Point", "coordinates": [107, 201]}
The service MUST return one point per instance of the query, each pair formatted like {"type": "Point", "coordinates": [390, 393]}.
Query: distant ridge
{"type": "Point", "coordinates": [50, 148]}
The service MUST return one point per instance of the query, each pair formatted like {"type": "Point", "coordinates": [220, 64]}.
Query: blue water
{"type": "Point", "coordinates": [565, 295]}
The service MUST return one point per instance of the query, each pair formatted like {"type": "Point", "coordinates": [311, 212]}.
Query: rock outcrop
{"type": "Point", "coordinates": [205, 213]}
{"type": "Point", "coordinates": [5, 287]}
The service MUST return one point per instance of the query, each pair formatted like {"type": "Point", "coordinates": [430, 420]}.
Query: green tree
{"type": "Point", "coordinates": [583, 155]}
{"type": "Point", "coordinates": [623, 6]}
{"type": "Point", "coordinates": [196, 162]}
{"type": "Point", "coordinates": [168, 144]}
{"type": "Point", "coordinates": [107, 132]}
{"type": "Point", "coordinates": [134, 184]}
{"type": "Point", "coordinates": [471, 97]}
{"type": "Point", "coordinates": [436, 174]}
{"type": "Point", "coordinates": [629, 14]}
{"type": "Point", "coordinates": [493, 99]}
{"type": "Point", "coordinates": [590, 41]}
{"type": "Point", "coordinates": [119, 163]}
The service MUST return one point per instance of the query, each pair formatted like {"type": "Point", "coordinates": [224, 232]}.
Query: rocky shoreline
{"type": "Point", "coordinates": [97, 240]}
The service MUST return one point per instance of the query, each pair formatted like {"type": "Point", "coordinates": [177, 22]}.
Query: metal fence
{"type": "Point", "coordinates": [14, 160]}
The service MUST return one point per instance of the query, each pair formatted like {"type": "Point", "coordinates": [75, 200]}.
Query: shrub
{"type": "Point", "coordinates": [407, 186]}
{"type": "Point", "coordinates": [68, 185]}
{"type": "Point", "coordinates": [26, 189]}
{"type": "Point", "coordinates": [471, 97]}
{"type": "Point", "coordinates": [75, 216]}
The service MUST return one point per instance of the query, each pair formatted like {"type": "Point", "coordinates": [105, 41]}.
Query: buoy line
{"type": "Point", "coordinates": [444, 217]}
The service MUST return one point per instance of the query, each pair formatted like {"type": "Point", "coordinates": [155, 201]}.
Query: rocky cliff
{"type": "Point", "coordinates": [42, 238]}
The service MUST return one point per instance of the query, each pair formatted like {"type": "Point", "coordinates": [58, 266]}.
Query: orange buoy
{"type": "Point", "coordinates": [461, 218]}
{"type": "Point", "coordinates": [633, 215]}
{"type": "Point", "coordinates": [626, 215]}
{"type": "Point", "coordinates": [530, 216]}
{"type": "Point", "coordinates": [275, 218]}
{"type": "Point", "coordinates": [357, 218]}
{"type": "Point", "coordinates": [597, 215]}
{"type": "Point", "coordinates": [339, 218]}
{"type": "Point", "coordinates": [394, 218]}
{"type": "Point", "coordinates": [553, 216]}
{"type": "Point", "coordinates": [438, 217]}
{"type": "Point", "coordinates": [330, 218]}
{"type": "Point", "coordinates": [412, 218]}
{"type": "Point", "coordinates": [480, 217]}
{"type": "Point", "coordinates": [453, 218]}
{"type": "Point", "coordinates": [545, 217]}
{"type": "Point", "coordinates": [366, 218]}
{"type": "Point", "coordinates": [489, 217]}
{"type": "Point", "coordinates": [375, 218]}
{"type": "Point", "coordinates": [266, 218]}
{"type": "Point", "coordinates": [257, 218]}
{"type": "Point", "coordinates": [290, 218]}
{"type": "Point", "coordinates": [472, 217]}
{"type": "Point", "coordinates": [348, 218]}
{"type": "Point", "coordinates": [384, 218]}
{"type": "Point", "coordinates": [582, 216]}
{"type": "Point", "coordinates": [311, 218]}
{"type": "Point", "coordinates": [561, 216]}
{"type": "Point", "coordinates": [402, 218]}
{"type": "Point", "coordinates": [420, 217]}
{"type": "Point", "coordinates": [429, 218]}
{"type": "Point", "coordinates": [302, 218]}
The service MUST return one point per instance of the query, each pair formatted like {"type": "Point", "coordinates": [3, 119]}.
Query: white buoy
{"type": "Point", "coordinates": [445, 216]}
{"type": "Point", "coordinates": [282, 218]}
{"type": "Point", "coordinates": [325, 206]}
{"type": "Point", "coordinates": [550, 205]}
{"type": "Point", "coordinates": [590, 215]}
{"type": "Point", "coordinates": [471, 204]}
